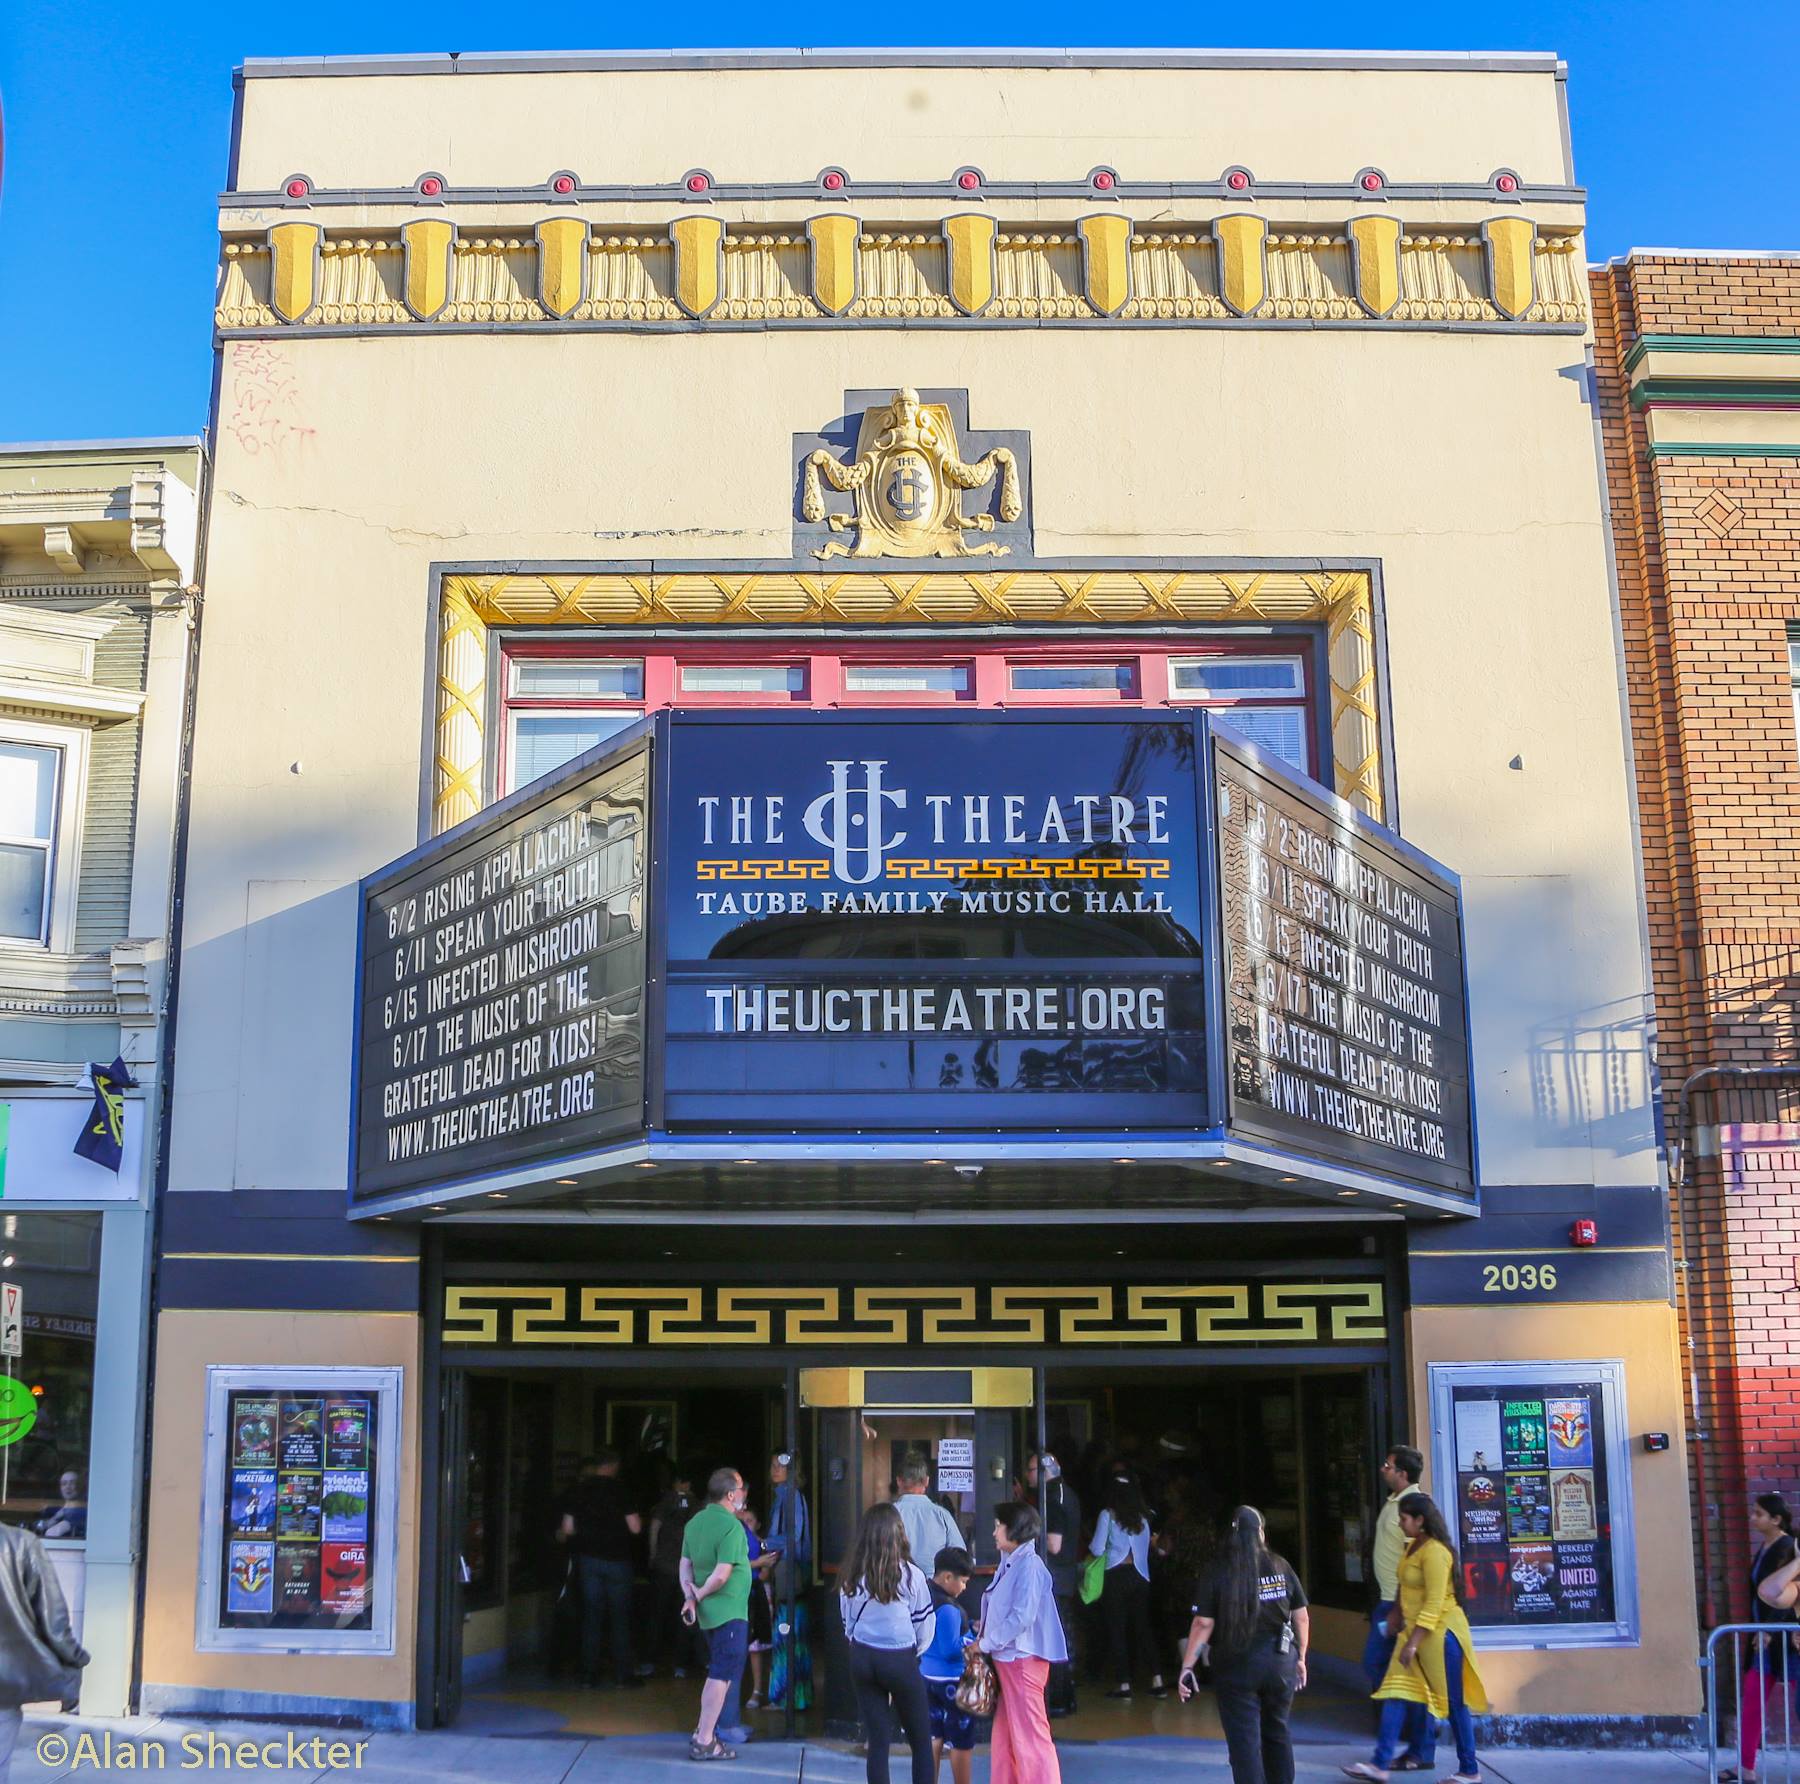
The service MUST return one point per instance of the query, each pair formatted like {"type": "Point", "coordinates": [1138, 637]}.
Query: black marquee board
{"type": "Point", "coordinates": [502, 986]}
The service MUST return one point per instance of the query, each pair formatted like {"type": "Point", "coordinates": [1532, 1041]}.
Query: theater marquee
{"type": "Point", "coordinates": [1127, 927]}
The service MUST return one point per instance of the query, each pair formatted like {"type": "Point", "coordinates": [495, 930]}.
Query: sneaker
{"type": "Point", "coordinates": [1123, 1691]}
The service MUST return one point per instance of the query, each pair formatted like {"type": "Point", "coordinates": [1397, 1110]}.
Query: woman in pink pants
{"type": "Point", "coordinates": [1022, 1633]}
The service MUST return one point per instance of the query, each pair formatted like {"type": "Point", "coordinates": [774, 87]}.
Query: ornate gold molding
{"type": "Point", "coordinates": [1343, 600]}
{"type": "Point", "coordinates": [834, 270]}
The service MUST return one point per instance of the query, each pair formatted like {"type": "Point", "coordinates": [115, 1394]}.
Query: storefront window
{"type": "Point", "coordinates": [49, 1297]}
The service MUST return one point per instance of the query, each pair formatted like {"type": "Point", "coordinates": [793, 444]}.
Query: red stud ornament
{"type": "Point", "coordinates": [697, 182]}
{"type": "Point", "coordinates": [1238, 181]}
{"type": "Point", "coordinates": [431, 186]}
{"type": "Point", "coordinates": [297, 189]}
{"type": "Point", "coordinates": [1371, 182]}
{"type": "Point", "coordinates": [562, 185]}
{"type": "Point", "coordinates": [1103, 181]}
{"type": "Point", "coordinates": [833, 182]}
{"type": "Point", "coordinates": [969, 181]}
{"type": "Point", "coordinates": [1507, 182]}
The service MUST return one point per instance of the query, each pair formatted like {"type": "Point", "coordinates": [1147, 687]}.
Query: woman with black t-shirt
{"type": "Point", "coordinates": [1253, 1611]}
{"type": "Point", "coordinates": [1772, 1665]}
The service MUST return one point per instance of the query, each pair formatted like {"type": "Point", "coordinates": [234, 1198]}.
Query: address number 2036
{"type": "Point", "coordinates": [1511, 1279]}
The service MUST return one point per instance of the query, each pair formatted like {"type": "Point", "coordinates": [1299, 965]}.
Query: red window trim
{"type": "Point", "coordinates": [988, 659]}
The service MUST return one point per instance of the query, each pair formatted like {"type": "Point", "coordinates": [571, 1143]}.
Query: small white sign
{"type": "Point", "coordinates": [956, 1465]}
{"type": "Point", "coordinates": [12, 1320]}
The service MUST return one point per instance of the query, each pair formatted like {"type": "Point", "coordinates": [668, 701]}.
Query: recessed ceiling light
{"type": "Point", "coordinates": [1346, 1192]}
{"type": "Point", "coordinates": [646, 1164]}
{"type": "Point", "coordinates": [743, 1161]}
{"type": "Point", "coordinates": [1396, 1204]}
{"type": "Point", "coordinates": [437, 1207]}
{"type": "Point", "coordinates": [1124, 1161]}
{"type": "Point", "coordinates": [933, 1161]}
{"type": "Point", "coordinates": [1287, 1179]}
{"type": "Point", "coordinates": [570, 1182]}
{"type": "Point", "coordinates": [496, 1195]}
{"type": "Point", "coordinates": [1219, 1164]}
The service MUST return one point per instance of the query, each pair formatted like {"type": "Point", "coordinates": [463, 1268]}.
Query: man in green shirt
{"type": "Point", "coordinates": [715, 1583]}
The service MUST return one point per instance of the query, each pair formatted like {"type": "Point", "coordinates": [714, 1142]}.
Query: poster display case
{"type": "Point", "coordinates": [1532, 1469]}
{"type": "Point", "coordinates": [297, 1539]}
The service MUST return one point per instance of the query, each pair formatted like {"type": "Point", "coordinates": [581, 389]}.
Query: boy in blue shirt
{"type": "Point", "coordinates": [942, 1664]}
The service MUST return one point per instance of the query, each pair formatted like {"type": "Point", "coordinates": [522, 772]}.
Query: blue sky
{"type": "Point", "coordinates": [117, 116]}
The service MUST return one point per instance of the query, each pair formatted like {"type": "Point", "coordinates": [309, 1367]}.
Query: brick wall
{"type": "Point", "coordinates": [1708, 561]}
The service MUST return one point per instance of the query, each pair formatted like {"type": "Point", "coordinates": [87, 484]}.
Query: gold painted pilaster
{"type": "Point", "coordinates": [969, 239]}
{"type": "Point", "coordinates": [1375, 262]}
{"type": "Point", "coordinates": [428, 243]}
{"type": "Point", "coordinates": [1511, 250]}
{"type": "Point", "coordinates": [699, 257]}
{"type": "Point", "coordinates": [1106, 261]}
{"type": "Point", "coordinates": [835, 256]}
{"type": "Point", "coordinates": [293, 269]}
{"type": "Point", "coordinates": [460, 755]}
{"type": "Point", "coordinates": [1241, 241]}
{"type": "Point", "coordinates": [562, 264]}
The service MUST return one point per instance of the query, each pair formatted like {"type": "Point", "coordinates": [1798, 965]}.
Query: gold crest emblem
{"type": "Point", "coordinates": [908, 482]}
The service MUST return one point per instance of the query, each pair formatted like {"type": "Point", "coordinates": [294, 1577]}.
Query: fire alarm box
{"type": "Point", "coordinates": [1585, 1232]}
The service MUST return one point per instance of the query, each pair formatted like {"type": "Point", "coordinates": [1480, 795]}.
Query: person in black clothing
{"type": "Point", "coordinates": [598, 1526]}
{"type": "Point", "coordinates": [1060, 1545]}
{"type": "Point", "coordinates": [1252, 1609]}
{"type": "Point", "coordinates": [668, 1522]}
{"type": "Point", "coordinates": [1772, 1666]}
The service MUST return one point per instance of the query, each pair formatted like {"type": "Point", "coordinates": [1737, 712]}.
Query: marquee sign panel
{"type": "Point", "coordinates": [906, 924]}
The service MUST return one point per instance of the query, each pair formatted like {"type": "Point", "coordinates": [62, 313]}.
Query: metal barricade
{"type": "Point", "coordinates": [1763, 1657]}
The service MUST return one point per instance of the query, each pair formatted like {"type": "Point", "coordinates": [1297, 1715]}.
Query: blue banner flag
{"type": "Point", "coordinates": [102, 1137]}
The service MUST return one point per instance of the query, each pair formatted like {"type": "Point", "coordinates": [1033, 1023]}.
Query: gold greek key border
{"type": "Point", "coordinates": [1342, 599]}
{"type": "Point", "coordinates": [1084, 867]}
{"type": "Point", "coordinates": [1146, 1314]}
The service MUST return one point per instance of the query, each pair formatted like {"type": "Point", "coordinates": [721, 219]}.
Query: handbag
{"type": "Point", "coordinates": [1093, 1578]}
{"type": "Point", "coordinates": [979, 1685]}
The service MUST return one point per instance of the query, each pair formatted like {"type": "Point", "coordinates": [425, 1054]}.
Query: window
{"type": "Point", "coordinates": [29, 776]}
{"type": "Point", "coordinates": [1071, 678]}
{"type": "Point", "coordinates": [42, 768]}
{"type": "Point", "coordinates": [1263, 698]}
{"type": "Point", "coordinates": [561, 707]}
{"type": "Point", "coordinates": [1794, 671]}
{"type": "Point", "coordinates": [743, 678]}
{"type": "Point", "coordinates": [906, 678]}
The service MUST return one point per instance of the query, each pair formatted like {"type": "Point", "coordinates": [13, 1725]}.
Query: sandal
{"type": "Point", "coordinates": [1362, 1769]}
{"type": "Point", "coordinates": [714, 1749]}
{"type": "Point", "coordinates": [1408, 1762]}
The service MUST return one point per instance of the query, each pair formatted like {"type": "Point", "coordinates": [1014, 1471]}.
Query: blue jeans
{"type": "Point", "coordinates": [605, 1616]}
{"type": "Point", "coordinates": [1462, 1723]}
{"type": "Point", "coordinates": [1418, 1729]}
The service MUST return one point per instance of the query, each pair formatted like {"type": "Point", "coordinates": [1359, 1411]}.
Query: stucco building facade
{"type": "Point", "coordinates": [1161, 488]}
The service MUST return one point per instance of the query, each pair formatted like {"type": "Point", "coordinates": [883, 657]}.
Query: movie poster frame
{"type": "Point", "coordinates": [383, 1385]}
{"type": "Point", "coordinates": [1625, 1630]}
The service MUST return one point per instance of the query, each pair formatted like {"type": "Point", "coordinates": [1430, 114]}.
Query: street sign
{"type": "Point", "coordinates": [12, 1319]}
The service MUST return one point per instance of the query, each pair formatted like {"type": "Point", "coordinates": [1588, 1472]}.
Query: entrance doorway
{"type": "Point", "coordinates": [1298, 1442]}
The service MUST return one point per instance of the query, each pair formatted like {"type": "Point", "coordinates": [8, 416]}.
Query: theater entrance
{"type": "Point", "coordinates": [504, 1624]}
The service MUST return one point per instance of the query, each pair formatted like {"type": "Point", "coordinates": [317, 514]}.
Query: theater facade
{"type": "Point", "coordinates": [898, 752]}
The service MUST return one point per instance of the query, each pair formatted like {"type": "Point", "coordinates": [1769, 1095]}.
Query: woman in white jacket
{"type": "Point", "coordinates": [1022, 1633]}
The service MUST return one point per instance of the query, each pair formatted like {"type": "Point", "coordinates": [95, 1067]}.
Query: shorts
{"type": "Point", "coordinates": [950, 1722]}
{"type": "Point", "coordinates": [727, 1645]}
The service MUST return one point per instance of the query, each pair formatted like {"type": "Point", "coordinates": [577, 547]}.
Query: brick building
{"type": "Point", "coordinates": [1699, 397]}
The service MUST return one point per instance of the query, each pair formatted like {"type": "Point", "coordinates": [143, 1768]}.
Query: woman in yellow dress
{"type": "Point", "coordinates": [1434, 1664]}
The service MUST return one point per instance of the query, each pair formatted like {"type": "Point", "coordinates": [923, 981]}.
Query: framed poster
{"type": "Point", "coordinates": [1532, 1468]}
{"type": "Point", "coordinates": [298, 1510]}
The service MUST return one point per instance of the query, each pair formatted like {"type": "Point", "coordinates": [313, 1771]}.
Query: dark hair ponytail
{"type": "Point", "coordinates": [1423, 1507]}
{"type": "Point", "coordinates": [1777, 1508]}
{"type": "Point", "coordinates": [1247, 1559]}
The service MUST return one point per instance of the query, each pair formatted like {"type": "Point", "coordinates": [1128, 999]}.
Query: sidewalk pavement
{"type": "Point", "coordinates": [95, 1748]}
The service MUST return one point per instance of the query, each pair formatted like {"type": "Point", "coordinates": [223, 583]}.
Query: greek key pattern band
{"type": "Point", "coordinates": [1083, 867]}
{"type": "Point", "coordinates": [517, 1314]}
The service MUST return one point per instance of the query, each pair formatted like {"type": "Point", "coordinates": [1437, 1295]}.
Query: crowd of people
{"type": "Point", "coordinates": [932, 1654]}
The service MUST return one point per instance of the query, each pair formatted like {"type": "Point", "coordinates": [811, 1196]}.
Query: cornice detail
{"type": "Point", "coordinates": [1238, 270]}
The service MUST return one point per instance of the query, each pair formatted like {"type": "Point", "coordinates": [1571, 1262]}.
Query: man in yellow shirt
{"type": "Point", "coordinates": [1400, 1472]}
